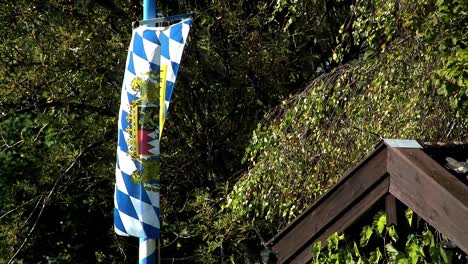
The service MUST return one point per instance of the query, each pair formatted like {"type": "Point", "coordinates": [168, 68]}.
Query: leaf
{"type": "Point", "coordinates": [375, 256]}
{"type": "Point", "coordinates": [402, 261]}
{"type": "Point", "coordinates": [392, 252]}
{"type": "Point", "coordinates": [380, 220]}
{"type": "Point", "coordinates": [446, 256]}
{"type": "Point", "coordinates": [356, 250]}
{"type": "Point", "coordinates": [334, 241]}
{"type": "Point", "coordinates": [428, 238]}
{"type": "Point", "coordinates": [315, 250]}
{"type": "Point", "coordinates": [368, 54]}
{"type": "Point", "coordinates": [409, 216]}
{"type": "Point", "coordinates": [392, 233]}
{"type": "Point", "coordinates": [366, 234]}
{"type": "Point", "coordinates": [442, 90]}
{"type": "Point", "coordinates": [349, 258]}
{"type": "Point", "coordinates": [413, 252]}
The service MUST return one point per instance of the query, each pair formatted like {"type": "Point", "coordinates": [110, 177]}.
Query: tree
{"type": "Point", "coordinates": [61, 76]}
{"type": "Point", "coordinates": [59, 106]}
{"type": "Point", "coordinates": [391, 82]}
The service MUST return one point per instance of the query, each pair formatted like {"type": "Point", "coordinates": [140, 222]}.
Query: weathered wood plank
{"type": "Point", "coordinates": [326, 211]}
{"type": "Point", "coordinates": [350, 215]}
{"type": "Point", "coordinates": [431, 191]}
{"type": "Point", "coordinates": [304, 214]}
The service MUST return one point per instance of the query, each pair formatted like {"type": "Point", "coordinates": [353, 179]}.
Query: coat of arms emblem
{"type": "Point", "coordinates": [144, 130]}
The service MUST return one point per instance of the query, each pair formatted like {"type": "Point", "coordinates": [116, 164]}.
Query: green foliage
{"type": "Point", "coordinates": [418, 245]}
{"type": "Point", "coordinates": [244, 59]}
{"type": "Point", "coordinates": [396, 69]}
{"type": "Point", "coordinates": [58, 106]}
{"type": "Point", "coordinates": [437, 28]}
{"type": "Point", "coordinates": [62, 64]}
{"type": "Point", "coordinates": [447, 29]}
{"type": "Point", "coordinates": [315, 136]}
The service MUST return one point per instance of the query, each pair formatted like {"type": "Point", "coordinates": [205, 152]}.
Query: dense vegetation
{"type": "Point", "coordinates": [273, 102]}
{"type": "Point", "coordinates": [397, 87]}
{"type": "Point", "coordinates": [412, 241]}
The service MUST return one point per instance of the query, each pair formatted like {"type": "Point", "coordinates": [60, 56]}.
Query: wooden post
{"type": "Point", "coordinates": [391, 210]}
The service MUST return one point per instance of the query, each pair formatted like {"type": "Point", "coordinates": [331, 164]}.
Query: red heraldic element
{"type": "Point", "coordinates": [148, 131]}
{"type": "Point", "coordinates": [147, 142]}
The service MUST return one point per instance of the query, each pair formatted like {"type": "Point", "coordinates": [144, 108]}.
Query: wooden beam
{"type": "Point", "coordinates": [391, 210]}
{"type": "Point", "coordinates": [431, 192]}
{"type": "Point", "coordinates": [343, 196]}
{"type": "Point", "coordinates": [360, 207]}
{"type": "Point", "coordinates": [325, 196]}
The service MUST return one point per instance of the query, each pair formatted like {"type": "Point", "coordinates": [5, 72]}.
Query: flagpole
{"type": "Point", "coordinates": [137, 190]}
{"type": "Point", "coordinates": [149, 248]}
{"type": "Point", "coordinates": [147, 251]}
{"type": "Point", "coordinates": [149, 9]}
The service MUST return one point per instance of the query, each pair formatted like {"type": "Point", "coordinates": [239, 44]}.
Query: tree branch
{"type": "Point", "coordinates": [49, 195]}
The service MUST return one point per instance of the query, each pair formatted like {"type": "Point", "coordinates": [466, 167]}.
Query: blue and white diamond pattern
{"type": "Point", "coordinates": [136, 211]}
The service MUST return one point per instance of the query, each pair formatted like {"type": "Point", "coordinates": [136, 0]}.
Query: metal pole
{"type": "Point", "coordinates": [149, 9]}
{"type": "Point", "coordinates": [148, 247]}
{"type": "Point", "coordinates": [147, 251]}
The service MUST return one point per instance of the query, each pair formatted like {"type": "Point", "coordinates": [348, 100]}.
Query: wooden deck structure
{"type": "Point", "coordinates": [402, 170]}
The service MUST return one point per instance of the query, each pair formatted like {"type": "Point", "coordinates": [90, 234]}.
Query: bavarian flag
{"type": "Point", "coordinates": [150, 73]}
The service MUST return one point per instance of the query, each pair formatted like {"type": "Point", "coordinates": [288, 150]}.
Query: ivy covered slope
{"type": "Point", "coordinates": [403, 74]}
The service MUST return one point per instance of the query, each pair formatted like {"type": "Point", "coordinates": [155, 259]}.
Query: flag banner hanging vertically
{"type": "Point", "coordinates": [152, 64]}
